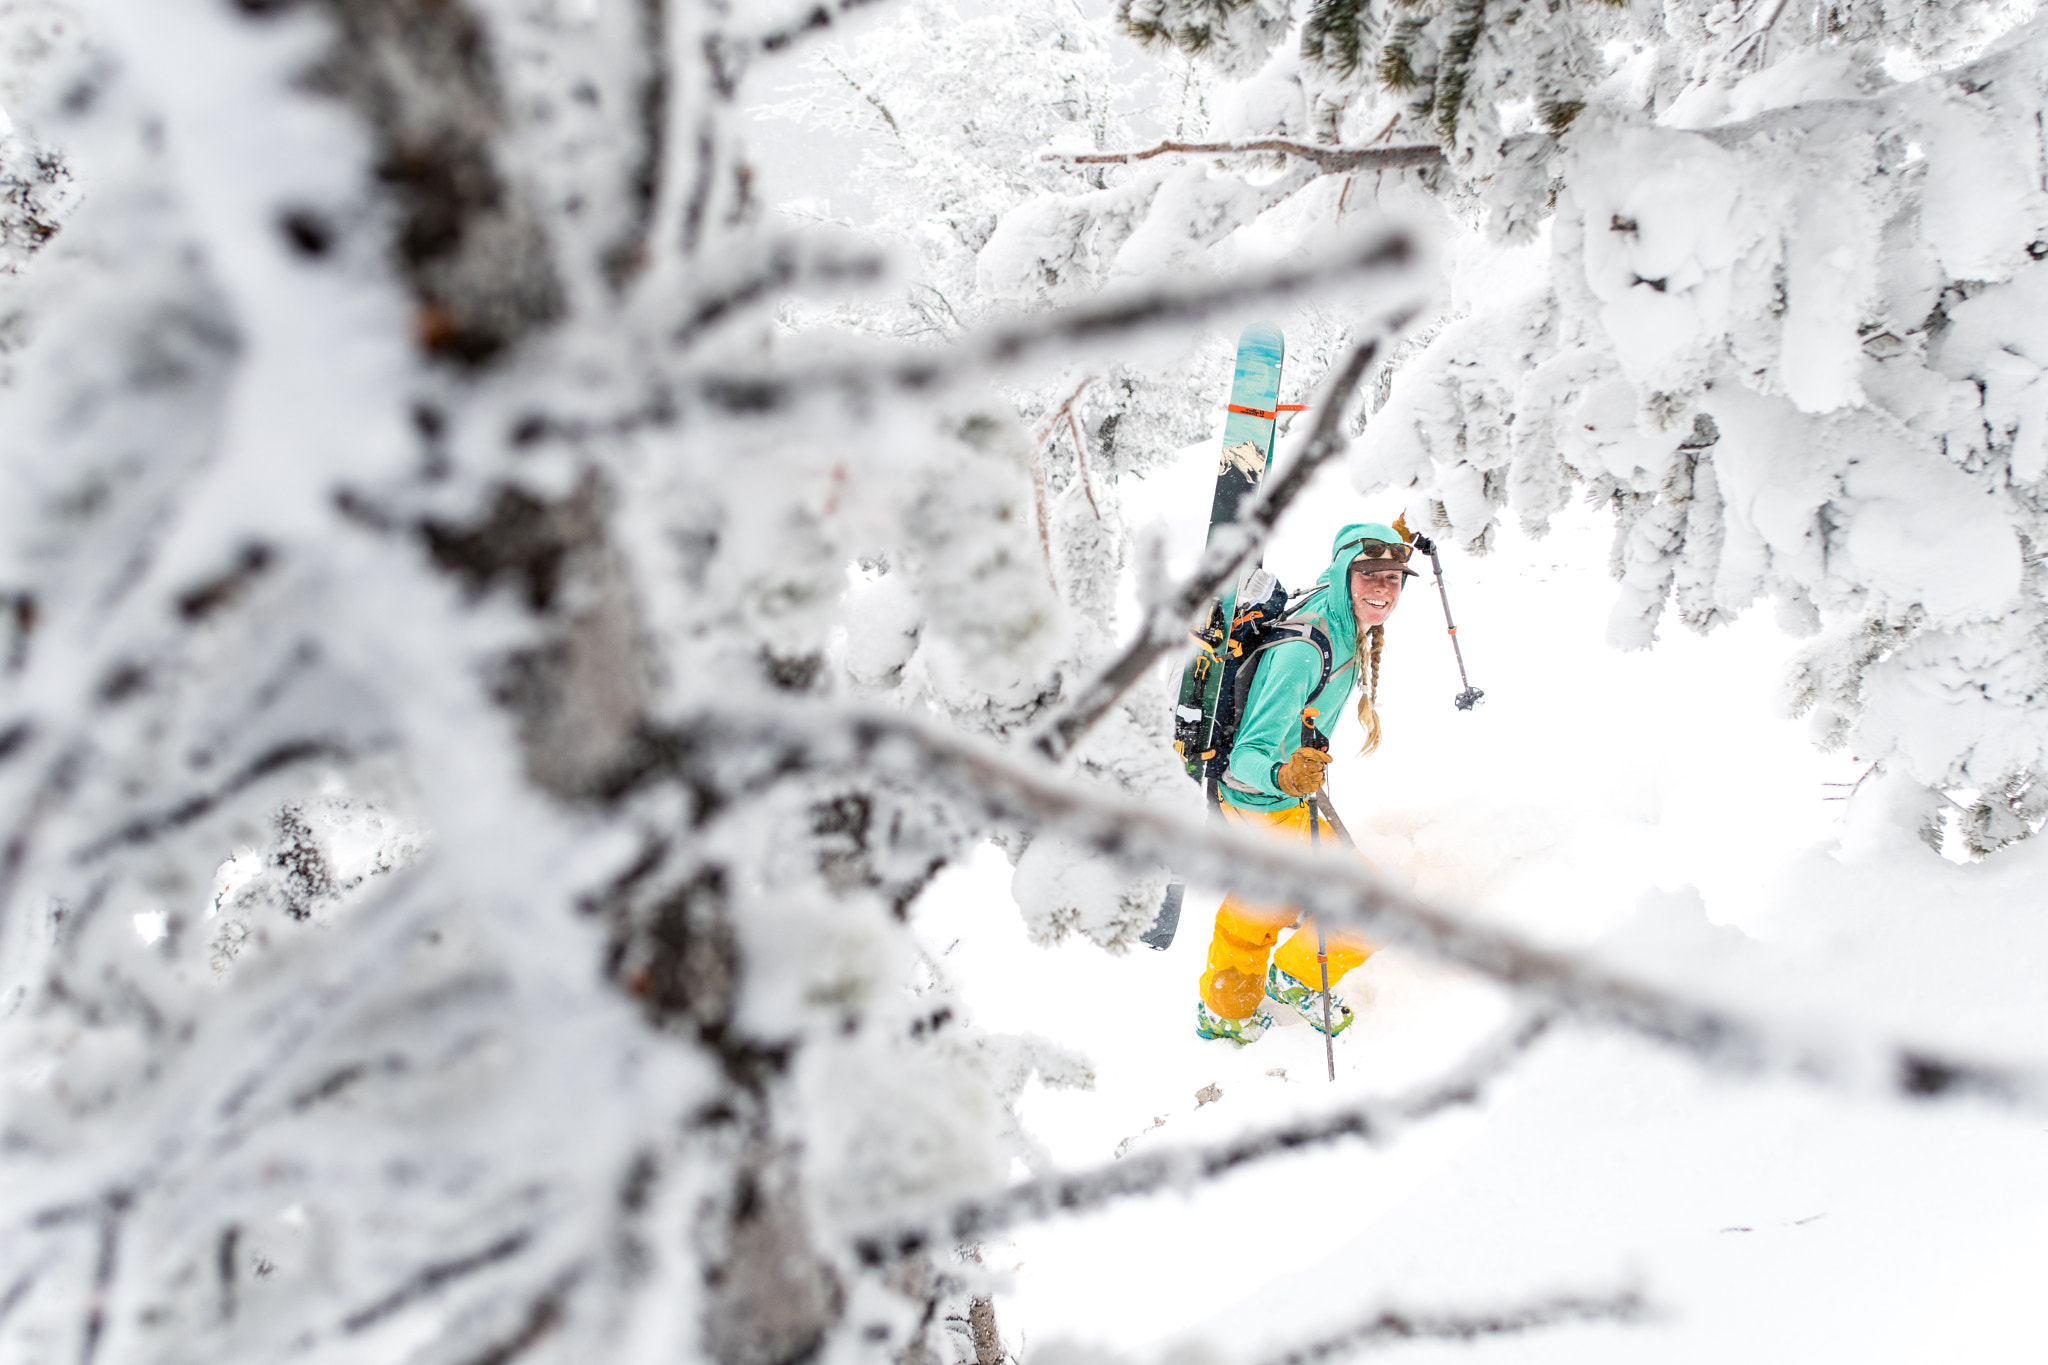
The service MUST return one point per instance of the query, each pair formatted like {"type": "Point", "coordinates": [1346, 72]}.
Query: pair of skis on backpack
{"type": "Point", "coordinates": [1252, 617]}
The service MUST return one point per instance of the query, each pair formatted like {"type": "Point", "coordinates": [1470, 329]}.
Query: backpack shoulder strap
{"type": "Point", "coordinates": [1286, 632]}
{"type": "Point", "coordinates": [1313, 627]}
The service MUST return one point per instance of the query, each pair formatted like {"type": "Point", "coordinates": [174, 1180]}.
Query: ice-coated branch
{"type": "Point", "coordinates": [1164, 627]}
{"type": "Point", "coordinates": [1331, 160]}
{"type": "Point", "coordinates": [1385, 256]}
{"type": "Point", "coordinates": [1079, 1192]}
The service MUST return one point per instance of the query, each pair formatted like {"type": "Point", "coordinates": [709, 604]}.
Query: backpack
{"type": "Point", "coordinates": [1203, 736]}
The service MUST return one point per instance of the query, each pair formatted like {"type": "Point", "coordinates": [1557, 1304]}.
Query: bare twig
{"type": "Point", "coordinates": [1165, 625]}
{"type": "Point", "coordinates": [1038, 507]}
{"type": "Point", "coordinates": [1045, 428]}
{"type": "Point", "coordinates": [895, 128]}
{"type": "Point", "coordinates": [1081, 460]}
{"type": "Point", "coordinates": [1066, 410]}
{"type": "Point", "coordinates": [1329, 159]}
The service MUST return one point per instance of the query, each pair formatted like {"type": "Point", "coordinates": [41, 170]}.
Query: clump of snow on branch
{"type": "Point", "coordinates": [1779, 352]}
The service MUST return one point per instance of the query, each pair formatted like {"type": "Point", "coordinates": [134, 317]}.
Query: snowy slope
{"type": "Point", "coordinates": [1657, 805]}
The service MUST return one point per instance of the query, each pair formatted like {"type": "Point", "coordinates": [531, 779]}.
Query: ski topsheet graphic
{"type": "Point", "coordinates": [1246, 455]}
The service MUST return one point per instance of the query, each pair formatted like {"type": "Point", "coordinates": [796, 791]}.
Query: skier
{"type": "Point", "coordinates": [1272, 777]}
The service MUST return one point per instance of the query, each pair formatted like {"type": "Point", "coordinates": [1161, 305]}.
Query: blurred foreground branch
{"type": "Point", "coordinates": [1338, 890]}
{"type": "Point", "coordinates": [1386, 257]}
{"type": "Point", "coordinates": [1079, 1192]}
{"type": "Point", "coordinates": [1625, 1306]}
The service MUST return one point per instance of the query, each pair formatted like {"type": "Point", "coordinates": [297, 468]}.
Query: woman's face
{"type": "Point", "coordinates": [1374, 595]}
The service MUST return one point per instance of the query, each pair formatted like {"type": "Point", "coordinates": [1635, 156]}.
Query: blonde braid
{"type": "Point", "coordinates": [1369, 688]}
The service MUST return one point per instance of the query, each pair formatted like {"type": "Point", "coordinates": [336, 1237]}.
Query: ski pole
{"type": "Point", "coordinates": [1469, 698]}
{"type": "Point", "coordinates": [1311, 738]}
{"type": "Point", "coordinates": [1330, 818]}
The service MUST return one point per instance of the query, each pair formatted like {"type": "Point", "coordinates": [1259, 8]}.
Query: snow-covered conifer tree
{"type": "Point", "coordinates": [1780, 321]}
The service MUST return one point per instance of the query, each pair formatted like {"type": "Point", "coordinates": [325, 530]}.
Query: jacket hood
{"type": "Point", "coordinates": [1333, 602]}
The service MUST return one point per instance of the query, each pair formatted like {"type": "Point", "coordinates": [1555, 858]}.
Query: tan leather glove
{"type": "Point", "coordinates": [1302, 774]}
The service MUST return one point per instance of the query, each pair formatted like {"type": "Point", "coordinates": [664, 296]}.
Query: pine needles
{"type": "Point", "coordinates": [1338, 35]}
{"type": "Point", "coordinates": [1434, 50]}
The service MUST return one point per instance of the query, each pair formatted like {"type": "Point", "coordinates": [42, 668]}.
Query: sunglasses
{"type": "Point", "coordinates": [1380, 549]}
{"type": "Point", "coordinates": [1380, 557]}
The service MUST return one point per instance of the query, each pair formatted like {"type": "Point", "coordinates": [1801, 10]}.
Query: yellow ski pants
{"type": "Point", "coordinates": [1234, 982]}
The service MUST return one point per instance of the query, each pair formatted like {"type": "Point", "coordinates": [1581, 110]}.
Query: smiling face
{"type": "Point", "coordinates": [1374, 595]}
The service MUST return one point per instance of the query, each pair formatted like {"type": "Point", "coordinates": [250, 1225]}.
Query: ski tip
{"type": "Point", "coordinates": [1263, 335]}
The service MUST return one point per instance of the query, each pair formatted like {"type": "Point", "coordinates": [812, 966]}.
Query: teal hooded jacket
{"type": "Point", "coordinates": [1270, 729]}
